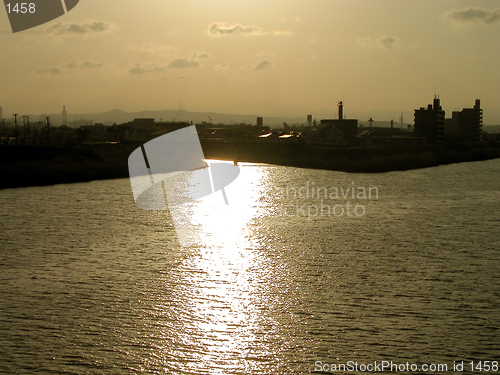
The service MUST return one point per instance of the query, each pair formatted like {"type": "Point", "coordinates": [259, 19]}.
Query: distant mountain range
{"type": "Point", "coordinates": [119, 116]}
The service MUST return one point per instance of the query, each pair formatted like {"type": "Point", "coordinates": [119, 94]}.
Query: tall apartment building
{"type": "Point", "coordinates": [429, 122]}
{"type": "Point", "coordinates": [466, 124]}
{"type": "Point", "coordinates": [470, 123]}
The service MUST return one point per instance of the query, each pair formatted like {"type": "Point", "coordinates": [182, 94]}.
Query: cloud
{"type": "Point", "coordinates": [84, 65]}
{"type": "Point", "coordinates": [264, 64]}
{"type": "Point", "coordinates": [146, 68]}
{"type": "Point", "coordinates": [183, 63]}
{"type": "Point", "coordinates": [284, 19]}
{"type": "Point", "coordinates": [222, 66]}
{"type": "Point", "coordinates": [474, 15]}
{"type": "Point", "coordinates": [387, 41]}
{"type": "Point", "coordinates": [384, 41]}
{"type": "Point", "coordinates": [200, 56]}
{"type": "Point", "coordinates": [87, 27]}
{"type": "Point", "coordinates": [53, 71]}
{"type": "Point", "coordinates": [154, 49]}
{"type": "Point", "coordinates": [365, 42]}
{"type": "Point", "coordinates": [218, 29]}
{"type": "Point", "coordinates": [282, 32]}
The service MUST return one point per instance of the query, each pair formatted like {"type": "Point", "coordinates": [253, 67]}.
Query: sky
{"type": "Point", "coordinates": [270, 57]}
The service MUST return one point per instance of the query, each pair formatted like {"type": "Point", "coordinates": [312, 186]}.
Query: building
{"type": "Point", "coordinates": [143, 123]}
{"type": "Point", "coordinates": [328, 135]}
{"type": "Point", "coordinates": [451, 125]}
{"type": "Point", "coordinates": [470, 123]}
{"type": "Point", "coordinates": [466, 125]}
{"type": "Point", "coordinates": [349, 127]}
{"type": "Point", "coordinates": [1, 114]}
{"type": "Point", "coordinates": [260, 121]}
{"type": "Point", "coordinates": [82, 122]}
{"type": "Point", "coordinates": [64, 116]}
{"type": "Point", "coordinates": [429, 122]}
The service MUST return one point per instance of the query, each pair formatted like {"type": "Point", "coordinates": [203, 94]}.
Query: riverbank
{"type": "Point", "coordinates": [47, 165]}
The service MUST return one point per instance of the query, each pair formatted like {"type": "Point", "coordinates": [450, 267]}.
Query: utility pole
{"type": "Point", "coordinates": [26, 120]}
{"type": "Point", "coordinates": [15, 125]}
{"type": "Point", "coordinates": [48, 129]}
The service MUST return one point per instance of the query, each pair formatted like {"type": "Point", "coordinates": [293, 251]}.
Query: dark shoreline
{"type": "Point", "coordinates": [48, 165]}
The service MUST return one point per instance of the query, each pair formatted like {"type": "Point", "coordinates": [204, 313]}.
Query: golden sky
{"type": "Point", "coordinates": [273, 57]}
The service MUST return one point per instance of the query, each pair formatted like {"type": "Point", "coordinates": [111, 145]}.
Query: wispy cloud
{"type": "Point", "coordinates": [222, 67]}
{"type": "Point", "coordinates": [384, 41]}
{"type": "Point", "coordinates": [387, 41]}
{"type": "Point", "coordinates": [221, 29]}
{"type": "Point", "coordinates": [474, 15]}
{"type": "Point", "coordinates": [183, 63]}
{"type": "Point", "coordinates": [162, 50]}
{"type": "Point", "coordinates": [84, 65]}
{"type": "Point", "coordinates": [200, 56]}
{"type": "Point", "coordinates": [264, 64]}
{"type": "Point", "coordinates": [87, 27]}
{"type": "Point", "coordinates": [176, 63]}
{"type": "Point", "coordinates": [282, 33]}
{"type": "Point", "coordinates": [218, 29]}
{"type": "Point", "coordinates": [51, 71]}
{"type": "Point", "coordinates": [146, 68]}
{"type": "Point", "coordinates": [261, 65]}
{"type": "Point", "coordinates": [296, 19]}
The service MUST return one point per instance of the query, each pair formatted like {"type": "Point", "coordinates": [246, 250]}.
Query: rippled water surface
{"type": "Point", "coordinates": [91, 284]}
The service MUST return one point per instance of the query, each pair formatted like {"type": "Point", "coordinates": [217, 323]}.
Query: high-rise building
{"type": "Point", "coordinates": [64, 116]}
{"type": "Point", "coordinates": [1, 114]}
{"type": "Point", "coordinates": [429, 122]}
{"type": "Point", "coordinates": [466, 124]}
{"type": "Point", "coordinates": [470, 123]}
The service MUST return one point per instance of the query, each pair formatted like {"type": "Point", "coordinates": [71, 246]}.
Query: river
{"type": "Point", "coordinates": [281, 281]}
